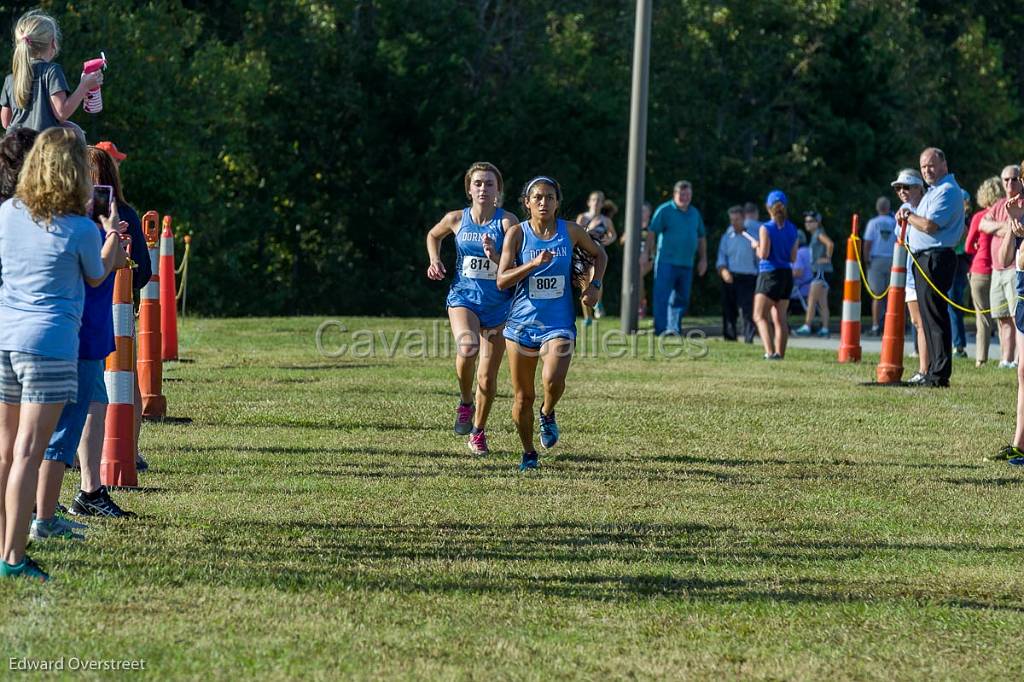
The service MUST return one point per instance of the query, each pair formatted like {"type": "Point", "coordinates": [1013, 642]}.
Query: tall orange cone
{"type": "Point", "coordinates": [117, 464]}
{"type": "Point", "coordinates": [849, 328]}
{"type": "Point", "coordinates": [890, 368]}
{"type": "Point", "coordinates": [168, 294]}
{"type": "Point", "coordinates": [150, 362]}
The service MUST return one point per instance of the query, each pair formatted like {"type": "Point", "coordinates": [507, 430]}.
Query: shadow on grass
{"type": "Point", "coordinates": [454, 463]}
{"type": "Point", "coordinates": [553, 559]}
{"type": "Point", "coordinates": [988, 482]}
{"type": "Point", "coordinates": [774, 461]}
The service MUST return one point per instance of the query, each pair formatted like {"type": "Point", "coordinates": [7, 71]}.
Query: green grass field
{"type": "Point", "coordinates": [714, 517]}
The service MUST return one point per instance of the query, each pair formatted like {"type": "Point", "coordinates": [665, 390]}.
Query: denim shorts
{"type": "Point", "coordinates": [28, 378]}
{"type": "Point", "coordinates": [91, 389]}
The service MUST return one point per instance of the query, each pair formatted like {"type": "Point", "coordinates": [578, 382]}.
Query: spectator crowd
{"type": "Point", "coordinates": [65, 227]}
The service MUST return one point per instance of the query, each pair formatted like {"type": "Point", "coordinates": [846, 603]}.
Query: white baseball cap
{"type": "Point", "coordinates": [908, 176]}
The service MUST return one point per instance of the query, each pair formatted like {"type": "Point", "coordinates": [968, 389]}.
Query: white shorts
{"type": "Point", "coordinates": [911, 294]}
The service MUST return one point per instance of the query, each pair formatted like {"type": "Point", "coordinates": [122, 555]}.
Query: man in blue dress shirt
{"type": "Point", "coordinates": [935, 227]}
{"type": "Point", "coordinates": [682, 242]}
{"type": "Point", "coordinates": [737, 266]}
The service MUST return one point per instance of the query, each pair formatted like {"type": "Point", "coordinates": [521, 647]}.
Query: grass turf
{"type": "Point", "coordinates": [703, 517]}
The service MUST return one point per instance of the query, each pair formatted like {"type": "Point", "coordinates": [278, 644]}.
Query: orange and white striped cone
{"type": "Point", "coordinates": [150, 362]}
{"type": "Point", "coordinates": [890, 368]}
{"type": "Point", "coordinates": [168, 294]}
{"type": "Point", "coordinates": [849, 328]}
{"type": "Point", "coordinates": [117, 464]}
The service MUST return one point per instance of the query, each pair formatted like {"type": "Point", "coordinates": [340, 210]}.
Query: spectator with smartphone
{"type": "Point", "coordinates": [95, 343]}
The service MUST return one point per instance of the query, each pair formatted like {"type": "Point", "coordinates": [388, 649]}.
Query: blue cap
{"type": "Point", "coordinates": [776, 196]}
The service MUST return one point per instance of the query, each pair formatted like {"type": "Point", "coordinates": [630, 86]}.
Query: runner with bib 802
{"type": "Point", "coordinates": [538, 261]}
{"type": "Point", "coordinates": [476, 307]}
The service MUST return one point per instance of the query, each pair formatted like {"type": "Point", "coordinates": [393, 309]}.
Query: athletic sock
{"type": "Point", "coordinates": [465, 404]}
{"type": "Point", "coordinates": [475, 431]}
{"type": "Point", "coordinates": [95, 494]}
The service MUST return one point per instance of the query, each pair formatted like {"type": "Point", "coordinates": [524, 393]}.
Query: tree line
{"type": "Point", "coordinates": [308, 146]}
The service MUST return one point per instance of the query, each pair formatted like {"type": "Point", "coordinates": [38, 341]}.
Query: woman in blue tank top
{"type": "Point", "coordinates": [476, 307]}
{"type": "Point", "coordinates": [777, 246]}
{"type": "Point", "coordinates": [538, 261]}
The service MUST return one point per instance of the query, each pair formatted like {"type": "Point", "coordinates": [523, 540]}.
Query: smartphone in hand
{"type": "Point", "coordinates": [102, 197]}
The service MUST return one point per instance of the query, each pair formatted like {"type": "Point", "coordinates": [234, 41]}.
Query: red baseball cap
{"type": "Point", "coordinates": [111, 148]}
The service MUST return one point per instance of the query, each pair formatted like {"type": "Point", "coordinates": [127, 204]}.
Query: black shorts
{"type": "Point", "coordinates": [775, 284]}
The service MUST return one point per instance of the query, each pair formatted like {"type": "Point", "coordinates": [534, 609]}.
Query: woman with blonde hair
{"type": "Point", "coordinates": [979, 244]}
{"type": "Point", "coordinates": [47, 248]}
{"type": "Point", "coordinates": [36, 94]}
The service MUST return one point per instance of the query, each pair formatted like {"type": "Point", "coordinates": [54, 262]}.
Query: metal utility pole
{"type": "Point", "coordinates": [637, 164]}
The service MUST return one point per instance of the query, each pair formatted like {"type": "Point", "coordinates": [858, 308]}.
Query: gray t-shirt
{"type": "Point", "coordinates": [47, 79]}
{"type": "Point", "coordinates": [819, 250]}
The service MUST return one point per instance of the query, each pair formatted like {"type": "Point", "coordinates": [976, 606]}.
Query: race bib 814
{"type": "Point", "coordinates": [475, 267]}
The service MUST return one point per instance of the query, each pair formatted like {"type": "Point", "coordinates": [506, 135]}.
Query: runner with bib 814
{"type": "Point", "coordinates": [476, 307]}
{"type": "Point", "coordinates": [538, 260]}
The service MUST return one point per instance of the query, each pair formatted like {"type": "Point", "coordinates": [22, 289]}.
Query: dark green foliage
{"type": "Point", "coordinates": [308, 146]}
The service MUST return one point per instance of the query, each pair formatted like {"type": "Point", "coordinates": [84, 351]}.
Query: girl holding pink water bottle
{"type": "Point", "coordinates": [36, 95]}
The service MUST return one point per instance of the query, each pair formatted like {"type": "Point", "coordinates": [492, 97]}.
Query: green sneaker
{"type": "Point", "coordinates": [26, 569]}
{"type": "Point", "coordinates": [1007, 453]}
{"type": "Point", "coordinates": [56, 527]}
{"type": "Point", "coordinates": [71, 523]}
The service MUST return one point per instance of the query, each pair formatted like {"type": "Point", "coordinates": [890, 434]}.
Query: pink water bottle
{"type": "Point", "coordinates": [93, 98]}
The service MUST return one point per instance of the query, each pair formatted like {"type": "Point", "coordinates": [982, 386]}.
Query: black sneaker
{"type": "Point", "coordinates": [98, 504]}
{"type": "Point", "coordinates": [918, 379]}
{"type": "Point", "coordinates": [140, 464]}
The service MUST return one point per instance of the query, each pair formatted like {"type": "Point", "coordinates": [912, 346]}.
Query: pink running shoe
{"type": "Point", "coordinates": [478, 444]}
{"type": "Point", "coordinates": [464, 419]}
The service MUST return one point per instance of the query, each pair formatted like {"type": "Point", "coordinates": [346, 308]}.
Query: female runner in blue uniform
{"type": "Point", "coordinates": [538, 261]}
{"type": "Point", "coordinates": [476, 307]}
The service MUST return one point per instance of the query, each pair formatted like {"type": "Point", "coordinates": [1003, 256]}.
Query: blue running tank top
{"type": "Point", "coordinates": [543, 301]}
{"type": "Point", "coordinates": [781, 240]}
{"type": "Point", "coordinates": [476, 276]}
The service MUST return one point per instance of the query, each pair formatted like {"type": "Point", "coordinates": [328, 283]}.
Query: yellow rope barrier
{"type": "Point", "coordinates": [863, 275]}
{"type": "Point", "coordinates": [946, 298]}
{"type": "Point", "coordinates": [183, 271]}
{"type": "Point", "coordinates": [184, 260]}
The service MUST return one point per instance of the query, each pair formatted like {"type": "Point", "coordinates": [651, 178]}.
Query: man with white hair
{"type": "Point", "coordinates": [934, 228]}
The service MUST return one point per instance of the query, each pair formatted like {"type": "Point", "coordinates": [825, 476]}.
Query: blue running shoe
{"type": "Point", "coordinates": [1016, 462]}
{"type": "Point", "coordinates": [529, 461]}
{"type": "Point", "coordinates": [548, 430]}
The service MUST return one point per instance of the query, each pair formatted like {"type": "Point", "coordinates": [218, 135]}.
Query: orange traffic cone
{"type": "Point", "coordinates": [890, 368]}
{"type": "Point", "coordinates": [150, 362]}
{"type": "Point", "coordinates": [117, 464]}
{"type": "Point", "coordinates": [168, 294]}
{"type": "Point", "coordinates": [849, 328]}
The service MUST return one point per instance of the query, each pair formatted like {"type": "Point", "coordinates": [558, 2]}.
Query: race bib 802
{"type": "Point", "coordinates": [550, 286]}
